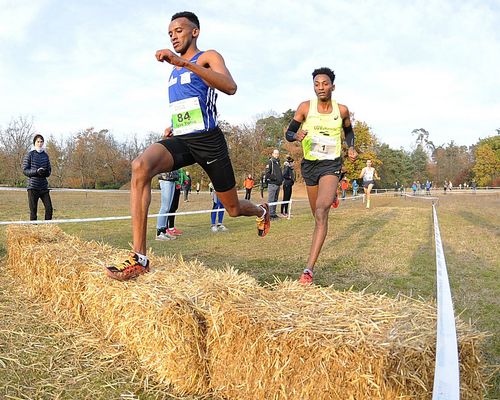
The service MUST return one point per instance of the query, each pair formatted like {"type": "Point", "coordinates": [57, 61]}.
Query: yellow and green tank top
{"type": "Point", "coordinates": [323, 140]}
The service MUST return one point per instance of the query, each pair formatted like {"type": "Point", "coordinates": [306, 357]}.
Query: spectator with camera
{"type": "Point", "coordinates": [36, 166]}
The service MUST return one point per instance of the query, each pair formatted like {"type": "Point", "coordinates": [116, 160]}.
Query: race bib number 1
{"type": "Point", "coordinates": [324, 148]}
{"type": "Point", "coordinates": [186, 116]}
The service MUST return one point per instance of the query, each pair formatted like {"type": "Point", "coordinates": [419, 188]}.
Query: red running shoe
{"type": "Point", "coordinates": [306, 278]}
{"type": "Point", "coordinates": [128, 269]}
{"type": "Point", "coordinates": [175, 231]}
{"type": "Point", "coordinates": [336, 202]}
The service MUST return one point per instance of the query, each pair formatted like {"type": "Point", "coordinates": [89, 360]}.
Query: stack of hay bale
{"type": "Point", "coordinates": [219, 332]}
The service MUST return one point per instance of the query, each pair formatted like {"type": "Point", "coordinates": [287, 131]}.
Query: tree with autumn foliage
{"type": "Point", "coordinates": [453, 163]}
{"type": "Point", "coordinates": [95, 161]}
{"type": "Point", "coordinates": [57, 151]}
{"type": "Point", "coordinates": [15, 142]}
{"type": "Point", "coordinates": [487, 161]}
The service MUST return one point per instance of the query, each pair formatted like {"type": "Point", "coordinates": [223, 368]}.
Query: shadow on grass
{"type": "Point", "coordinates": [421, 277]}
{"type": "Point", "coordinates": [480, 221]}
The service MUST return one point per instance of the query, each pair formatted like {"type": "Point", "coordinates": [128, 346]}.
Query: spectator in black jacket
{"type": "Point", "coordinates": [274, 177]}
{"type": "Point", "coordinates": [187, 186]}
{"type": "Point", "coordinates": [288, 181]}
{"type": "Point", "coordinates": [36, 166]}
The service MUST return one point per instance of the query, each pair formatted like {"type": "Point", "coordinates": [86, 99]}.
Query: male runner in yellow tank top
{"type": "Point", "coordinates": [318, 125]}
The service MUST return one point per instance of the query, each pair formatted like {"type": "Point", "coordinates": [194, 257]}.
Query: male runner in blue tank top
{"type": "Point", "coordinates": [318, 124]}
{"type": "Point", "coordinates": [194, 138]}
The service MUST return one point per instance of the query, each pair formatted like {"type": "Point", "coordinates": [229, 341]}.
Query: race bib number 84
{"type": "Point", "coordinates": [186, 116]}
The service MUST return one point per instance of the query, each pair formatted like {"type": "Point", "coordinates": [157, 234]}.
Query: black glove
{"type": "Point", "coordinates": [41, 172]}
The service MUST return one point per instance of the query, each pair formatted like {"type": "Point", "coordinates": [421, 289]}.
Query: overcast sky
{"type": "Point", "coordinates": [400, 65]}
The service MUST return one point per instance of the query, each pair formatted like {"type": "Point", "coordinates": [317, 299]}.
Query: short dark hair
{"type": "Point", "coordinates": [324, 71]}
{"type": "Point", "coordinates": [36, 137]}
{"type": "Point", "coordinates": [189, 15]}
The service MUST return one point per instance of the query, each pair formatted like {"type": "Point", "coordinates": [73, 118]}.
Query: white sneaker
{"type": "Point", "coordinates": [213, 228]}
{"type": "Point", "coordinates": [165, 236]}
{"type": "Point", "coordinates": [222, 228]}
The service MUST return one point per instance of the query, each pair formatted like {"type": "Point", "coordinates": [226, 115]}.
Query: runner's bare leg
{"type": "Point", "coordinates": [236, 207]}
{"type": "Point", "coordinates": [154, 160]}
{"type": "Point", "coordinates": [322, 195]}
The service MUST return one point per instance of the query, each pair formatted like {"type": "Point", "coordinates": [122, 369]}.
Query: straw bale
{"type": "Point", "coordinates": [204, 331]}
{"type": "Point", "coordinates": [159, 317]}
{"type": "Point", "coordinates": [319, 343]}
{"type": "Point", "coordinates": [158, 325]}
{"type": "Point", "coordinates": [50, 264]}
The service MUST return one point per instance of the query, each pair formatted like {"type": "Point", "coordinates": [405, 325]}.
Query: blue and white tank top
{"type": "Point", "coordinates": [192, 102]}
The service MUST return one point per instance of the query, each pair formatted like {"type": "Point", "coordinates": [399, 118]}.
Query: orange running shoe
{"type": "Point", "coordinates": [128, 269]}
{"type": "Point", "coordinates": [307, 277]}
{"type": "Point", "coordinates": [264, 222]}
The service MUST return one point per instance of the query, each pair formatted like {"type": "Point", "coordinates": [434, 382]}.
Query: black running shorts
{"type": "Point", "coordinates": [368, 183]}
{"type": "Point", "coordinates": [209, 150]}
{"type": "Point", "coordinates": [313, 170]}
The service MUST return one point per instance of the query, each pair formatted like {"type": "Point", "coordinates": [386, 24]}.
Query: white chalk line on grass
{"type": "Point", "coordinates": [99, 219]}
{"type": "Point", "coordinates": [446, 371]}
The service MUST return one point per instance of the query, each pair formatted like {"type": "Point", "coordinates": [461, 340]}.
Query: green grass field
{"type": "Point", "coordinates": [389, 249]}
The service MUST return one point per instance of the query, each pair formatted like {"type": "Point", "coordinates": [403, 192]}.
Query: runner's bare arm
{"type": "Point", "coordinates": [168, 132]}
{"type": "Point", "coordinates": [362, 173]}
{"type": "Point", "coordinates": [349, 133]}
{"type": "Point", "coordinates": [210, 67]}
{"type": "Point", "coordinates": [299, 117]}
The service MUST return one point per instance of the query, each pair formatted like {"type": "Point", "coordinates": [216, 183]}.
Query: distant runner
{"type": "Point", "coordinates": [368, 174]}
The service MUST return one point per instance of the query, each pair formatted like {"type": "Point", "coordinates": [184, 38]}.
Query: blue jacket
{"type": "Point", "coordinates": [31, 163]}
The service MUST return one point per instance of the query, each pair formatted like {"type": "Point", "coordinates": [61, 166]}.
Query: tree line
{"type": "Point", "coordinates": [93, 158]}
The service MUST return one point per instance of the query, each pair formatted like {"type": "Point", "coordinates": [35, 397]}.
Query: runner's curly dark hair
{"type": "Point", "coordinates": [324, 71]}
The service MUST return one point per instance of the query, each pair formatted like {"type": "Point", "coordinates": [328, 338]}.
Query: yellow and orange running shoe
{"type": "Point", "coordinates": [264, 222]}
{"type": "Point", "coordinates": [128, 269]}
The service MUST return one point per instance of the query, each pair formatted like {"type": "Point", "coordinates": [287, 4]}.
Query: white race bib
{"type": "Point", "coordinates": [324, 147]}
